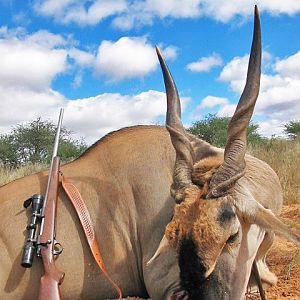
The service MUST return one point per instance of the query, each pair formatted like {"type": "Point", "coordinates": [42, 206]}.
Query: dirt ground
{"type": "Point", "coordinates": [284, 260]}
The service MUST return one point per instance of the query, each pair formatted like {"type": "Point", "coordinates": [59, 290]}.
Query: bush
{"type": "Point", "coordinates": [292, 129]}
{"type": "Point", "coordinates": [33, 143]}
{"type": "Point", "coordinates": [213, 130]}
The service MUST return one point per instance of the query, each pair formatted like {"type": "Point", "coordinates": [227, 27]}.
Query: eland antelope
{"type": "Point", "coordinates": [222, 220]}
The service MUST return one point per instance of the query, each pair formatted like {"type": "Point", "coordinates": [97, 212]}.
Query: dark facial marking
{"type": "Point", "coordinates": [226, 214]}
{"type": "Point", "coordinates": [191, 267]}
{"type": "Point", "coordinates": [192, 278]}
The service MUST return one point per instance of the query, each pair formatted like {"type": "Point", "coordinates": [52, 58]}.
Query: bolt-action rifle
{"type": "Point", "coordinates": [43, 221]}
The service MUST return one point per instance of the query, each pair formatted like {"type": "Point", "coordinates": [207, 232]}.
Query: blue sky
{"type": "Point", "coordinates": [97, 60]}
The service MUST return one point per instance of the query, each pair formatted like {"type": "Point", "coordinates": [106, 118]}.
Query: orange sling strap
{"type": "Point", "coordinates": [86, 222]}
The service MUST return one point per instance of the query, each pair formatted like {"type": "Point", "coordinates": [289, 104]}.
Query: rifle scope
{"type": "Point", "coordinates": [30, 244]}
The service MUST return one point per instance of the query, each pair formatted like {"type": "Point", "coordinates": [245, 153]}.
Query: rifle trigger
{"type": "Point", "coordinates": [58, 248]}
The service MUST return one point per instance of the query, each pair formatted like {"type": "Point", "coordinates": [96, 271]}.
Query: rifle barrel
{"type": "Point", "coordinates": [54, 154]}
{"type": "Point", "coordinates": [61, 113]}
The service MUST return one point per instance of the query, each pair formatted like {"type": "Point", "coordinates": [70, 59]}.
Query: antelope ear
{"type": "Point", "coordinates": [266, 219]}
{"type": "Point", "coordinates": [255, 213]}
{"type": "Point", "coordinates": [163, 247]}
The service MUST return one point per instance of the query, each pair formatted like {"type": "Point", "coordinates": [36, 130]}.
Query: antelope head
{"type": "Point", "coordinates": [215, 213]}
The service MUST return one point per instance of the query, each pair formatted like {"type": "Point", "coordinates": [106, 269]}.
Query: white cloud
{"type": "Point", "coordinates": [235, 72]}
{"type": "Point", "coordinates": [82, 58]}
{"type": "Point", "coordinates": [6, 33]}
{"type": "Point", "coordinates": [77, 80]}
{"type": "Point", "coordinates": [51, 7]}
{"type": "Point", "coordinates": [34, 60]}
{"type": "Point", "coordinates": [212, 101]}
{"type": "Point", "coordinates": [144, 12]}
{"type": "Point", "coordinates": [279, 96]}
{"type": "Point", "coordinates": [209, 102]}
{"type": "Point", "coordinates": [289, 67]}
{"type": "Point", "coordinates": [271, 127]}
{"type": "Point", "coordinates": [80, 12]}
{"type": "Point", "coordinates": [174, 8]}
{"type": "Point", "coordinates": [169, 52]}
{"type": "Point", "coordinates": [281, 101]}
{"type": "Point", "coordinates": [22, 104]}
{"type": "Point", "coordinates": [29, 64]}
{"type": "Point", "coordinates": [90, 118]}
{"type": "Point", "coordinates": [129, 57]}
{"type": "Point", "coordinates": [131, 13]}
{"type": "Point", "coordinates": [140, 13]}
{"type": "Point", "coordinates": [224, 11]}
{"type": "Point", "coordinates": [126, 58]}
{"type": "Point", "coordinates": [226, 110]}
{"type": "Point", "coordinates": [46, 39]}
{"type": "Point", "coordinates": [96, 116]}
{"type": "Point", "coordinates": [205, 64]}
{"type": "Point", "coordinates": [289, 7]}
{"type": "Point", "coordinates": [98, 11]}
{"type": "Point", "coordinates": [127, 22]}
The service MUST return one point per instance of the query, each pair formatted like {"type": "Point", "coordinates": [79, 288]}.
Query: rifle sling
{"type": "Point", "coordinates": [86, 222]}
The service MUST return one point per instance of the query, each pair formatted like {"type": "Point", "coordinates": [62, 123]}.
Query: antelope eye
{"type": "Point", "coordinates": [233, 238]}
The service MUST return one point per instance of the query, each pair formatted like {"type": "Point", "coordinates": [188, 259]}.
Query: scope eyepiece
{"type": "Point", "coordinates": [36, 200]}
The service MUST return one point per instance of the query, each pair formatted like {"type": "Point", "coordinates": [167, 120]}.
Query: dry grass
{"type": "Point", "coordinates": [284, 157]}
{"type": "Point", "coordinates": [8, 174]}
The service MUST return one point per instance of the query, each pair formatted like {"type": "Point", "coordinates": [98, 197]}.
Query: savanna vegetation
{"type": "Point", "coordinates": [28, 147]}
{"type": "Point", "coordinates": [213, 130]}
{"type": "Point", "coordinates": [31, 145]}
{"type": "Point", "coordinates": [284, 157]}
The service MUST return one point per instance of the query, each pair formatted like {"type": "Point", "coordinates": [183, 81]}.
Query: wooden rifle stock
{"type": "Point", "coordinates": [50, 281]}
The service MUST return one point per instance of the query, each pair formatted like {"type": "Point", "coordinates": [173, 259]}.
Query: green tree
{"type": "Point", "coordinates": [213, 130]}
{"type": "Point", "coordinates": [33, 143]}
{"type": "Point", "coordinates": [8, 151]}
{"type": "Point", "coordinates": [292, 129]}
